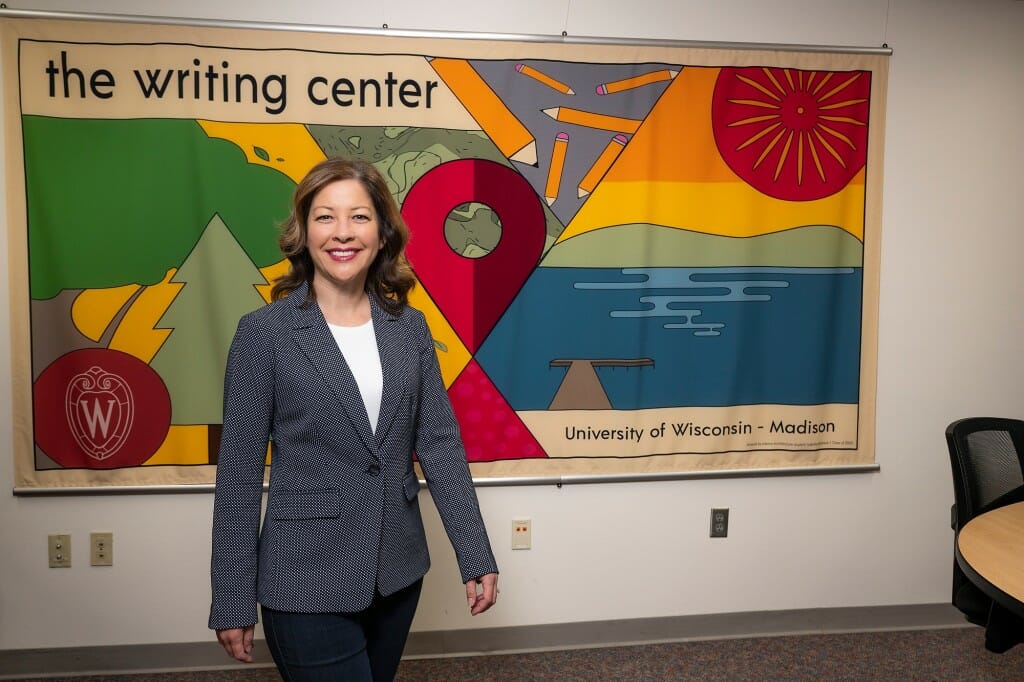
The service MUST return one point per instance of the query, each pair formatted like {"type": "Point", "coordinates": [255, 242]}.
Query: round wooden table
{"type": "Point", "coordinates": [990, 550]}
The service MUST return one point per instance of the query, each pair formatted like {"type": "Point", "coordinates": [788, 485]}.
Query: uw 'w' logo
{"type": "Point", "coordinates": [100, 410]}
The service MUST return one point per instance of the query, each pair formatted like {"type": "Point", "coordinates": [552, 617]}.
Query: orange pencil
{"type": "Point", "coordinates": [616, 124]}
{"type": "Point", "coordinates": [545, 79]}
{"type": "Point", "coordinates": [556, 167]}
{"type": "Point", "coordinates": [500, 124]}
{"type": "Point", "coordinates": [636, 81]}
{"type": "Point", "coordinates": [601, 166]}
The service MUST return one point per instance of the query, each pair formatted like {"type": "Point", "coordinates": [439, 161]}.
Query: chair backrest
{"type": "Point", "coordinates": [987, 456]}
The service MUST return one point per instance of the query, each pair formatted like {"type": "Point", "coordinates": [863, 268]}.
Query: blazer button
{"type": "Point", "coordinates": [373, 470]}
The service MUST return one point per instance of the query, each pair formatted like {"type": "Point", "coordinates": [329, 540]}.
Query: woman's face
{"type": "Point", "coordinates": [342, 235]}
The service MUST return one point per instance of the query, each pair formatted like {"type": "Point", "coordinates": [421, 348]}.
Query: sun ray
{"type": "Point", "coordinates": [751, 140]}
{"type": "Point", "coordinates": [800, 158]}
{"type": "Point", "coordinates": [757, 86]}
{"type": "Point", "coordinates": [840, 87]}
{"type": "Point", "coordinates": [755, 119]}
{"type": "Point", "coordinates": [837, 134]}
{"type": "Point", "coordinates": [840, 105]}
{"type": "Point", "coordinates": [830, 149]}
{"type": "Point", "coordinates": [843, 119]}
{"type": "Point", "coordinates": [767, 149]}
{"type": "Point", "coordinates": [771, 77]}
{"type": "Point", "coordinates": [755, 103]}
{"type": "Point", "coordinates": [820, 85]}
{"type": "Point", "coordinates": [783, 156]}
{"type": "Point", "coordinates": [789, 79]}
{"type": "Point", "coordinates": [817, 160]}
{"type": "Point", "coordinates": [800, 79]}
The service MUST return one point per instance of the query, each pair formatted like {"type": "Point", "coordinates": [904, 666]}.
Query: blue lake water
{"type": "Point", "coordinates": [717, 336]}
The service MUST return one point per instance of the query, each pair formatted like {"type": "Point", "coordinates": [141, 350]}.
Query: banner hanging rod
{"type": "Point", "coordinates": [557, 481]}
{"type": "Point", "coordinates": [414, 33]}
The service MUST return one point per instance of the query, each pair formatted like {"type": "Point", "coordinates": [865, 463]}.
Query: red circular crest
{"type": "Point", "coordinates": [98, 408]}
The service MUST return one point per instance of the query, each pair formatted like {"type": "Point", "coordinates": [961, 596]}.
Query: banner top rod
{"type": "Point", "coordinates": [416, 33]}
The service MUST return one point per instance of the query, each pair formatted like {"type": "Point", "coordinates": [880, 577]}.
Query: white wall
{"type": "Point", "coordinates": [951, 329]}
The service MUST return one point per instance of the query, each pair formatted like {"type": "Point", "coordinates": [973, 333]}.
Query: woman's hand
{"type": "Point", "coordinates": [237, 642]}
{"type": "Point", "coordinates": [482, 592]}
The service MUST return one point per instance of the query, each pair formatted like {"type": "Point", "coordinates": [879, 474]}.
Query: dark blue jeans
{"type": "Point", "coordinates": [366, 645]}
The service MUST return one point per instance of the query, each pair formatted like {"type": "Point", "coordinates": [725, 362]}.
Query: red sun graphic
{"type": "Point", "coordinates": [792, 134]}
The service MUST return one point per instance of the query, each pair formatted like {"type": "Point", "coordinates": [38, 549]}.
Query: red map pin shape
{"type": "Point", "coordinates": [472, 293]}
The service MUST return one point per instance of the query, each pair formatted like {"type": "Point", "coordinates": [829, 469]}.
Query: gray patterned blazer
{"type": "Point", "coordinates": [342, 514]}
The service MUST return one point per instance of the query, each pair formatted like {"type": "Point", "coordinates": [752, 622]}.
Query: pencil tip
{"type": "Point", "coordinates": [527, 154]}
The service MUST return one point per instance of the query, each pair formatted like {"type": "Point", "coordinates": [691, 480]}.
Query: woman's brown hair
{"type": "Point", "coordinates": [390, 278]}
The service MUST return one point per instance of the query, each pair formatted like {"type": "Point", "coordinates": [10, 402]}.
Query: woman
{"type": "Point", "coordinates": [340, 376]}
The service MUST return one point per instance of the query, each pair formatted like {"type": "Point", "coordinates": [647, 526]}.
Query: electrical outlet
{"type": "Point", "coordinates": [101, 549]}
{"type": "Point", "coordinates": [59, 550]}
{"type": "Point", "coordinates": [719, 523]}
{"type": "Point", "coordinates": [521, 533]}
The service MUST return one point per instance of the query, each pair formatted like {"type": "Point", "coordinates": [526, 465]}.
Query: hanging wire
{"type": "Point", "coordinates": [885, 25]}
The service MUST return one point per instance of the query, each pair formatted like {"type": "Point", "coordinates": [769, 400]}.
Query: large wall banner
{"type": "Point", "coordinates": [634, 259]}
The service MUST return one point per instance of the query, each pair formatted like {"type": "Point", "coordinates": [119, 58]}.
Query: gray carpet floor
{"type": "Point", "coordinates": [945, 654]}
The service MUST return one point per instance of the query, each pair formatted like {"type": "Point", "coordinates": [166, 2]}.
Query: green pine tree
{"type": "Point", "coordinates": [219, 287]}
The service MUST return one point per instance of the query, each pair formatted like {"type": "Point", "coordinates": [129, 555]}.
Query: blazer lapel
{"type": "Point", "coordinates": [314, 338]}
{"type": "Point", "coordinates": [394, 362]}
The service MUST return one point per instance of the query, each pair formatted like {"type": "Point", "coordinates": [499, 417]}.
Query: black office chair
{"type": "Point", "coordinates": [987, 456]}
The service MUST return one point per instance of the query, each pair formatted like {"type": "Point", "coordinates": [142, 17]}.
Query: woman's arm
{"type": "Point", "coordinates": [443, 459]}
{"type": "Point", "coordinates": [248, 414]}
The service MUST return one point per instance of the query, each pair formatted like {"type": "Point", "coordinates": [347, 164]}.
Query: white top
{"type": "Point", "coordinates": [359, 347]}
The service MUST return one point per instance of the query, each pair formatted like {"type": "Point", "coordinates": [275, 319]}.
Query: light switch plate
{"type": "Point", "coordinates": [521, 533]}
{"type": "Point", "coordinates": [101, 549]}
{"type": "Point", "coordinates": [59, 546]}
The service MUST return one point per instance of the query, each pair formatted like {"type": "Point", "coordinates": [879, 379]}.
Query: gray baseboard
{"type": "Point", "coordinates": [152, 658]}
